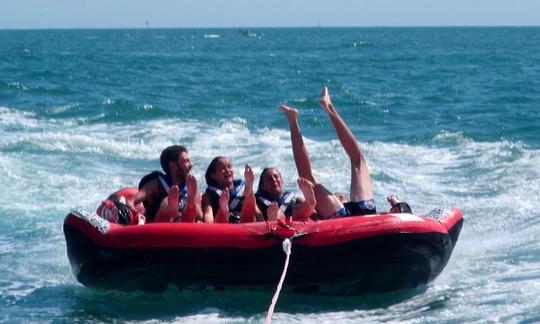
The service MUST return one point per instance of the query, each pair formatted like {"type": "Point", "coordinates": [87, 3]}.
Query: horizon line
{"type": "Point", "coordinates": [271, 27]}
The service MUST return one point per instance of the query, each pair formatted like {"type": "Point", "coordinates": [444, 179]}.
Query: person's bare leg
{"type": "Point", "coordinates": [327, 204]}
{"type": "Point", "coordinates": [249, 208]}
{"type": "Point", "coordinates": [223, 213]}
{"type": "Point", "coordinates": [307, 208]}
{"type": "Point", "coordinates": [191, 211]}
{"type": "Point", "coordinates": [300, 153]}
{"type": "Point", "coordinates": [361, 187]}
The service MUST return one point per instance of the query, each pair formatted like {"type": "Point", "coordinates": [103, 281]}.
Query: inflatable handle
{"type": "Point", "coordinates": [283, 230]}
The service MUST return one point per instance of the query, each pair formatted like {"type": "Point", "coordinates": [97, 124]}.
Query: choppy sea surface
{"type": "Point", "coordinates": [446, 116]}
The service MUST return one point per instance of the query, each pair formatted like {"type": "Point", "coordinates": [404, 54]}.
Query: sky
{"type": "Point", "coordinates": [38, 14]}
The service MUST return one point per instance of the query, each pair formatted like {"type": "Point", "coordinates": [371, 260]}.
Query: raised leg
{"type": "Point", "coordinates": [305, 209]}
{"type": "Point", "coordinates": [361, 187]}
{"type": "Point", "coordinates": [327, 204]}
{"type": "Point", "coordinates": [300, 153]}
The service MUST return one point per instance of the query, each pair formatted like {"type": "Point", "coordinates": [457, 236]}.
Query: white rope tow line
{"type": "Point", "coordinates": [287, 249]}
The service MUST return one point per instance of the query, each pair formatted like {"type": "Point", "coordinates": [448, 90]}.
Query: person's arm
{"type": "Point", "coordinates": [199, 214]}
{"type": "Point", "coordinates": [398, 206]}
{"type": "Point", "coordinates": [148, 191]}
{"type": "Point", "coordinates": [206, 206]}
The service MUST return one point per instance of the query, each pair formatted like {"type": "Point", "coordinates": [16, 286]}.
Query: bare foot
{"type": "Point", "coordinates": [306, 187]}
{"type": "Point", "coordinates": [250, 179]}
{"type": "Point", "coordinates": [223, 213]}
{"type": "Point", "coordinates": [290, 113]}
{"type": "Point", "coordinates": [392, 199]}
{"type": "Point", "coordinates": [173, 197]}
{"type": "Point", "coordinates": [224, 200]}
{"type": "Point", "coordinates": [272, 211]}
{"type": "Point", "coordinates": [191, 184]}
{"type": "Point", "coordinates": [325, 101]}
{"type": "Point", "coordinates": [169, 211]}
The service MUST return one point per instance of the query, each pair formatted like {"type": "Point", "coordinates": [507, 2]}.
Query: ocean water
{"type": "Point", "coordinates": [446, 116]}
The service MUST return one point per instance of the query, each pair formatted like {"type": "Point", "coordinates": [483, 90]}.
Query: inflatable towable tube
{"type": "Point", "coordinates": [115, 210]}
{"type": "Point", "coordinates": [353, 255]}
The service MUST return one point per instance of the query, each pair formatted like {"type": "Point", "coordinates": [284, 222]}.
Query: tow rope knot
{"type": "Point", "coordinates": [283, 229]}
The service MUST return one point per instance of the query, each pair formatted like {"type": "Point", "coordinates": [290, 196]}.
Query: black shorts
{"type": "Point", "coordinates": [362, 207]}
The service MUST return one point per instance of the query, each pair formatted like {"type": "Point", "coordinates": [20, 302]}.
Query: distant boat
{"type": "Point", "coordinates": [211, 35]}
{"type": "Point", "coordinates": [245, 32]}
{"type": "Point", "coordinates": [146, 23]}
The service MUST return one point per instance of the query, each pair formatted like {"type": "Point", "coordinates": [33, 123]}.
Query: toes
{"type": "Point", "coordinates": [174, 196]}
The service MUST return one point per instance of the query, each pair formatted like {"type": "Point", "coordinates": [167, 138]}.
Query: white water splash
{"type": "Point", "coordinates": [48, 167]}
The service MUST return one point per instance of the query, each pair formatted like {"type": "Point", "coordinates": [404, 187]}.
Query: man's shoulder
{"type": "Point", "coordinates": [150, 182]}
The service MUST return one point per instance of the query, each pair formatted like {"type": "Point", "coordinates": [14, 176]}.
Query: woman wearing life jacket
{"type": "Point", "coordinates": [228, 200]}
{"type": "Point", "coordinates": [274, 201]}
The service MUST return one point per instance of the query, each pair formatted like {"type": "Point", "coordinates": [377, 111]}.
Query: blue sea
{"type": "Point", "coordinates": [446, 116]}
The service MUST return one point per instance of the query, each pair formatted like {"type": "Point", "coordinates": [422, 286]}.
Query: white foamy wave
{"type": "Point", "coordinates": [142, 141]}
{"type": "Point", "coordinates": [10, 117]}
{"type": "Point", "coordinates": [17, 85]}
{"type": "Point", "coordinates": [208, 318]}
{"type": "Point", "coordinates": [48, 167]}
{"type": "Point", "coordinates": [490, 179]}
{"type": "Point", "coordinates": [62, 108]}
{"type": "Point", "coordinates": [56, 158]}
